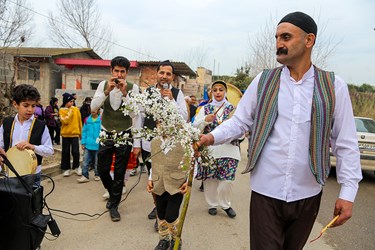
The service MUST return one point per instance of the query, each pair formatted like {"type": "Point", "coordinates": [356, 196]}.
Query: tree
{"type": "Point", "coordinates": [197, 56]}
{"type": "Point", "coordinates": [14, 30]}
{"type": "Point", "coordinates": [262, 49]}
{"type": "Point", "coordinates": [78, 24]}
{"type": "Point", "coordinates": [14, 23]}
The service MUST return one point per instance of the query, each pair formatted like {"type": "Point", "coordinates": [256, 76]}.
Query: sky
{"type": "Point", "coordinates": [221, 30]}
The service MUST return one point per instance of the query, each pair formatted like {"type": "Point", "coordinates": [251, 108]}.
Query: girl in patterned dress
{"type": "Point", "coordinates": [218, 178]}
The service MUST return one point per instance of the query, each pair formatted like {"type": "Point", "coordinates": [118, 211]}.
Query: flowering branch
{"type": "Point", "coordinates": [170, 125]}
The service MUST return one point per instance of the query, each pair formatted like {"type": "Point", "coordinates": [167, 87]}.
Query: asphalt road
{"type": "Point", "coordinates": [358, 232]}
{"type": "Point", "coordinates": [135, 231]}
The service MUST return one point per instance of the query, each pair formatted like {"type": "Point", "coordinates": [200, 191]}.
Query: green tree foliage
{"type": "Point", "coordinates": [241, 80]}
{"type": "Point", "coordinates": [363, 100]}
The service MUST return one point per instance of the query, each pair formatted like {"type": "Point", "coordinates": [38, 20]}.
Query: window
{"type": "Point", "coordinates": [34, 72]}
{"type": "Point", "coordinates": [94, 84]}
{"type": "Point", "coordinates": [22, 72]}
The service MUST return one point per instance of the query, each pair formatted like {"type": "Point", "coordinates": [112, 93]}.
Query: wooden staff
{"type": "Point", "coordinates": [219, 108]}
{"type": "Point", "coordinates": [325, 228]}
{"type": "Point", "coordinates": [186, 204]}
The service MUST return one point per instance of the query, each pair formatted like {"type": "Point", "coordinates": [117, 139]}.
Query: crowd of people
{"type": "Point", "coordinates": [293, 113]}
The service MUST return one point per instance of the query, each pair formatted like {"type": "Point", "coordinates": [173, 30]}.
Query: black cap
{"type": "Point", "coordinates": [67, 98]}
{"type": "Point", "coordinates": [301, 20]}
{"type": "Point", "coordinates": [219, 82]}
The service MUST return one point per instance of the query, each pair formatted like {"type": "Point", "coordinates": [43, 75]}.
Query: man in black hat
{"type": "Point", "coordinates": [295, 113]}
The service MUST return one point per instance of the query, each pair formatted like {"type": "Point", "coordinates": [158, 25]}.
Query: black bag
{"type": "Point", "coordinates": [22, 224]}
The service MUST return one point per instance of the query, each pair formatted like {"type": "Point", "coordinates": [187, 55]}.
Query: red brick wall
{"type": "Point", "coordinates": [148, 76]}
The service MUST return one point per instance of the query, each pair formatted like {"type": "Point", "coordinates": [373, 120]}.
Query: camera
{"type": "Point", "coordinates": [117, 81]}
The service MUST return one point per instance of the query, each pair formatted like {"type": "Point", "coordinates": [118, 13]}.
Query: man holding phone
{"type": "Point", "coordinates": [110, 95]}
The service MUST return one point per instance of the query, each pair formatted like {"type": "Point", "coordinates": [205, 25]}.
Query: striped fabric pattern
{"type": "Point", "coordinates": [266, 114]}
{"type": "Point", "coordinates": [323, 104]}
{"type": "Point", "coordinates": [321, 123]}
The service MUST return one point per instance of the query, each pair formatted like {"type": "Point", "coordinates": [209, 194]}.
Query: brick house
{"type": "Point", "coordinates": [36, 66]}
{"type": "Point", "coordinates": [82, 76]}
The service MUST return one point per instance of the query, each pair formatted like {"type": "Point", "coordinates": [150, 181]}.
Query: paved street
{"type": "Point", "coordinates": [135, 231]}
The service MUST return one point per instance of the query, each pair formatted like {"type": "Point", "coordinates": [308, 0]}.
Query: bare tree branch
{"type": "Point", "coordinates": [14, 22]}
{"type": "Point", "coordinates": [262, 48]}
{"type": "Point", "coordinates": [78, 24]}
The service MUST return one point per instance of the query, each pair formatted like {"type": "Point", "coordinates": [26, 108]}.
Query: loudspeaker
{"type": "Point", "coordinates": [22, 224]}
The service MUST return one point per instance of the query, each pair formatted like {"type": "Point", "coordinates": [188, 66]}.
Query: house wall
{"type": "Point", "coordinates": [51, 76]}
{"type": "Point", "coordinates": [203, 79]}
{"type": "Point", "coordinates": [147, 76]}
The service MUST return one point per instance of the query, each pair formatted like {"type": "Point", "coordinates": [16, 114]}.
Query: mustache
{"type": "Point", "coordinates": [282, 51]}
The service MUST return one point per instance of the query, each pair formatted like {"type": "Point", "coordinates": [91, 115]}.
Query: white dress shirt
{"type": "Point", "coordinates": [116, 99]}
{"type": "Point", "coordinates": [282, 170]}
{"type": "Point", "coordinates": [21, 133]}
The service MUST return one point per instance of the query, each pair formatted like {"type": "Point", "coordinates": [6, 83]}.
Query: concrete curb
{"type": "Point", "coordinates": [54, 169]}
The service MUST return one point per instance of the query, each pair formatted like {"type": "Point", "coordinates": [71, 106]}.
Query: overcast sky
{"type": "Point", "coordinates": [176, 30]}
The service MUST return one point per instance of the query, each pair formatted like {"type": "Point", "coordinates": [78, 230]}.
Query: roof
{"type": "Point", "coordinates": [71, 62]}
{"type": "Point", "coordinates": [48, 52]}
{"type": "Point", "coordinates": [180, 68]}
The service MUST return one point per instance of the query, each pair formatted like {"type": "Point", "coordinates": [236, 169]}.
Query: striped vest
{"type": "Point", "coordinates": [321, 119]}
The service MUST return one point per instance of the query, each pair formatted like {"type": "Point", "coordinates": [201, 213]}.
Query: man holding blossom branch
{"type": "Point", "coordinates": [295, 114]}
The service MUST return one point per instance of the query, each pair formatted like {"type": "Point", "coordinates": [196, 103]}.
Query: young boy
{"type": "Point", "coordinates": [71, 131]}
{"type": "Point", "coordinates": [90, 146]}
{"type": "Point", "coordinates": [168, 182]}
{"type": "Point", "coordinates": [25, 131]}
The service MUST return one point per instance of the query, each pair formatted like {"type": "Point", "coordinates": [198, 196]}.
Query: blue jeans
{"type": "Point", "coordinates": [90, 157]}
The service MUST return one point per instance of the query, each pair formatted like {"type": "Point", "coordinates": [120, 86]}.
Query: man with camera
{"type": "Point", "coordinates": [116, 128]}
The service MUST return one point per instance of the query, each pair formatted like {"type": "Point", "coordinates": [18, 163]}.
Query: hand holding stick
{"type": "Point", "coordinates": [325, 228]}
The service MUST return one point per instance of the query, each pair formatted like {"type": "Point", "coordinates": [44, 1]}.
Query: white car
{"type": "Point", "coordinates": [366, 142]}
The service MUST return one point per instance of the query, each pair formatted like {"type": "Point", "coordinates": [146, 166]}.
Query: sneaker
{"type": "Point", "coordinates": [133, 172]}
{"type": "Point", "coordinates": [97, 178]}
{"type": "Point", "coordinates": [163, 245]}
{"type": "Point", "coordinates": [67, 173]}
{"type": "Point", "coordinates": [123, 190]}
{"type": "Point", "coordinates": [152, 214]}
{"type": "Point", "coordinates": [83, 179]}
{"type": "Point", "coordinates": [115, 215]}
{"type": "Point", "coordinates": [79, 171]}
{"type": "Point", "coordinates": [106, 195]}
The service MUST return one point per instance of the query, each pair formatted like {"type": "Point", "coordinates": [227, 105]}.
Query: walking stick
{"type": "Point", "coordinates": [186, 204]}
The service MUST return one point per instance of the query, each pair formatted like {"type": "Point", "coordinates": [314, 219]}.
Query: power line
{"type": "Point", "coordinates": [101, 38]}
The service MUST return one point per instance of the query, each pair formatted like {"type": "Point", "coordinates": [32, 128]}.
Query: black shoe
{"type": "Point", "coordinates": [212, 211]}
{"type": "Point", "coordinates": [115, 215]}
{"type": "Point", "coordinates": [57, 143]}
{"type": "Point", "coordinates": [163, 245]}
{"type": "Point", "coordinates": [152, 214]}
{"type": "Point", "coordinates": [172, 245]}
{"type": "Point", "coordinates": [156, 226]}
{"type": "Point", "coordinates": [230, 212]}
